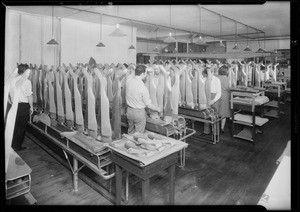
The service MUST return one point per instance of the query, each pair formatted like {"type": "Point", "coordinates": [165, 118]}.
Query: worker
{"type": "Point", "coordinates": [215, 86]}
{"type": "Point", "coordinates": [137, 99]}
{"type": "Point", "coordinates": [223, 106]}
{"type": "Point", "coordinates": [215, 92]}
{"type": "Point", "coordinates": [25, 105]}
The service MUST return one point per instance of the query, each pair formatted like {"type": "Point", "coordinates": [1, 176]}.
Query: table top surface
{"type": "Point", "coordinates": [16, 167]}
{"type": "Point", "coordinates": [144, 161]}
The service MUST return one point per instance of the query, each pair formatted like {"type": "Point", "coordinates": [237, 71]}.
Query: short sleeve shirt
{"type": "Point", "coordinates": [137, 95]}
{"type": "Point", "coordinates": [25, 91]}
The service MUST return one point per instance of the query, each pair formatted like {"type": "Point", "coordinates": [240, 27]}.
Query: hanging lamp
{"type": "Point", "coordinates": [260, 50]}
{"type": "Point", "coordinates": [117, 32]}
{"type": "Point", "coordinates": [52, 41]}
{"type": "Point", "coordinates": [170, 39]}
{"type": "Point", "coordinates": [175, 49]}
{"type": "Point", "coordinates": [100, 44]}
{"type": "Point", "coordinates": [221, 42]}
{"type": "Point", "coordinates": [200, 40]}
{"type": "Point", "coordinates": [247, 49]}
{"type": "Point", "coordinates": [235, 45]}
{"type": "Point", "coordinates": [156, 48]}
{"type": "Point", "coordinates": [131, 46]}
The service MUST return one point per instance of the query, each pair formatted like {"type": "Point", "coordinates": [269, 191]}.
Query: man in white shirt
{"type": "Point", "coordinates": [137, 99]}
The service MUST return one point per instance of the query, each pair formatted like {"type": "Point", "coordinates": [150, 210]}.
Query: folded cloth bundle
{"type": "Point", "coordinates": [44, 118]}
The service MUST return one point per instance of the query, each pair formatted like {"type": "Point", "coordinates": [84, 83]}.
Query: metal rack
{"type": "Point", "coordinates": [251, 106]}
{"type": "Point", "coordinates": [277, 92]}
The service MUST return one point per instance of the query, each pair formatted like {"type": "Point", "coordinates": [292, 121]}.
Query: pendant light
{"type": "Point", "coordinates": [200, 40]}
{"type": "Point", "coordinates": [175, 49]}
{"type": "Point", "coordinates": [52, 41]}
{"type": "Point", "coordinates": [221, 43]}
{"type": "Point", "coordinates": [260, 50]}
{"type": "Point", "coordinates": [156, 48]}
{"type": "Point", "coordinates": [235, 45]}
{"type": "Point", "coordinates": [170, 39]}
{"type": "Point", "coordinates": [131, 46]}
{"type": "Point", "coordinates": [247, 49]}
{"type": "Point", "coordinates": [100, 44]}
{"type": "Point", "coordinates": [117, 32]}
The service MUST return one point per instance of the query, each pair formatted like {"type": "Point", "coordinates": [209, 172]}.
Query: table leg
{"type": "Point", "coordinates": [118, 184]}
{"type": "Point", "coordinates": [171, 171]}
{"type": "Point", "coordinates": [75, 174]}
{"type": "Point", "coordinates": [145, 191]}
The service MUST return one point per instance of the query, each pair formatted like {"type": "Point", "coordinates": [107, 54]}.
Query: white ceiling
{"type": "Point", "coordinates": [273, 18]}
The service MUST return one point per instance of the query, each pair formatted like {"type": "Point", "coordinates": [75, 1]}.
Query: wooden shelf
{"type": "Point", "coordinates": [272, 104]}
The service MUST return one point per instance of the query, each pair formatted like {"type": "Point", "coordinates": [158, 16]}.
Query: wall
{"type": "Point", "coordinates": [79, 40]}
{"type": "Point", "coordinates": [26, 36]}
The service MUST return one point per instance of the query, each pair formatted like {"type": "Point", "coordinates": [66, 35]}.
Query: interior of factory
{"type": "Point", "coordinates": [164, 104]}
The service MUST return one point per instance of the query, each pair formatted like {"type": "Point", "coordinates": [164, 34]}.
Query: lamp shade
{"type": "Point", "coordinates": [260, 50]}
{"type": "Point", "coordinates": [117, 32]}
{"type": "Point", "coordinates": [247, 49]}
{"type": "Point", "coordinates": [170, 39]}
{"type": "Point", "coordinates": [156, 49]}
{"type": "Point", "coordinates": [52, 42]}
{"type": "Point", "coordinates": [100, 44]}
{"type": "Point", "coordinates": [235, 46]}
{"type": "Point", "coordinates": [131, 47]}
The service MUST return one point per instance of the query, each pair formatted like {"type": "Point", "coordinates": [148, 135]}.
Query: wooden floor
{"type": "Point", "coordinates": [232, 172]}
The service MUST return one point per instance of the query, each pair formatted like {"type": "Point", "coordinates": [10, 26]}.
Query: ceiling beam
{"type": "Point", "coordinates": [232, 19]}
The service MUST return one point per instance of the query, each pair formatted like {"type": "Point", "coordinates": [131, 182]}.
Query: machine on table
{"type": "Point", "coordinates": [241, 103]}
{"type": "Point", "coordinates": [84, 149]}
{"type": "Point", "coordinates": [144, 166]}
{"type": "Point", "coordinates": [209, 116]}
{"type": "Point", "coordinates": [276, 91]}
{"type": "Point", "coordinates": [17, 178]}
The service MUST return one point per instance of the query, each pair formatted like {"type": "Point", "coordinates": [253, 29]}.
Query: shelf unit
{"type": "Point", "coordinates": [18, 179]}
{"type": "Point", "coordinates": [276, 91]}
{"type": "Point", "coordinates": [250, 127]}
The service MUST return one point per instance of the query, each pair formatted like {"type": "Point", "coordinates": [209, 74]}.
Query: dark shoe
{"type": "Point", "coordinates": [222, 131]}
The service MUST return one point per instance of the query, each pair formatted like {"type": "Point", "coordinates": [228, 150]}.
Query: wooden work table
{"type": "Point", "coordinates": [145, 173]}
{"type": "Point", "coordinates": [146, 167]}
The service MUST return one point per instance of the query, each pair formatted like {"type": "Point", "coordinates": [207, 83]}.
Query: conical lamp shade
{"type": "Point", "coordinates": [52, 42]}
{"type": "Point", "coordinates": [221, 44]}
{"type": "Point", "coordinates": [247, 49]}
{"type": "Point", "coordinates": [117, 33]}
{"type": "Point", "coordinates": [201, 42]}
{"type": "Point", "coordinates": [131, 47]}
{"type": "Point", "coordinates": [235, 46]}
{"type": "Point", "coordinates": [170, 39]}
{"type": "Point", "coordinates": [100, 44]}
{"type": "Point", "coordinates": [260, 50]}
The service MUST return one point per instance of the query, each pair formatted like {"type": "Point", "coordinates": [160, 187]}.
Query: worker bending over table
{"type": "Point", "coordinates": [137, 99]}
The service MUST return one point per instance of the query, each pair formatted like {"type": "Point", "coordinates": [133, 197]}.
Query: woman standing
{"type": "Point", "coordinates": [223, 106]}
{"type": "Point", "coordinates": [20, 93]}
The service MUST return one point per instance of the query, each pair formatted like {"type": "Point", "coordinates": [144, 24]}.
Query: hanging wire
{"type": "Point", "coordinates": [236, 32]}
{"type": "Point", "coordinates": [131, 32]}
{"type": "Point", "coordinates": [52, 19]}
{"type": "Point", "coordinates": [247, 35]}
{"type": "Point", "coordinates": [100, 27]}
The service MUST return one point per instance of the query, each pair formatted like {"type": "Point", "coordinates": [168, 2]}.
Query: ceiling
{"type": "Point", "coordinates": [271, 18]}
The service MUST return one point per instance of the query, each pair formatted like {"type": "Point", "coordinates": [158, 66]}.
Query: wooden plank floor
{"type": "Point", "coordinates": [232, 172]}
{"type": "Point", "coordinates": [52, 182]}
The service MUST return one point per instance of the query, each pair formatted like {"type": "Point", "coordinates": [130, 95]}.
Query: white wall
{"type": "Point", "coordinates": [79, 40]}
{"type": "Point", "coordinates": [26, 36]}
